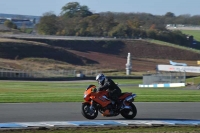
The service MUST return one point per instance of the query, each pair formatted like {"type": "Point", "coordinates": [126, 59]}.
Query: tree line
{"type": "Point", "coordinates": [78, 20]}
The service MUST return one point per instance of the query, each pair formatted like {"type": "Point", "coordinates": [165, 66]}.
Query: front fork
{"type": "Point", "coordinates": [91, 108]}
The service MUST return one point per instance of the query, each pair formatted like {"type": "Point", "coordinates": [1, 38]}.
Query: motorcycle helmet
{"type": "Point", "coordinates": [100, 78]}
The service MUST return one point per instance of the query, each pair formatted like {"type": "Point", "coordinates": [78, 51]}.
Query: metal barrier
{"type": "Point", "coordinates": [6, 73]}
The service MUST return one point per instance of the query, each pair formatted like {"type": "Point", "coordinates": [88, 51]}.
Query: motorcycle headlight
{"type": "Point", "coordinates": [84, 96]}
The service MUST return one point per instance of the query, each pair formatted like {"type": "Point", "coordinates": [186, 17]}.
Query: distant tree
{"type": "Point", "coordinates": [134, 23]}
{"type": "Point", "coordinates": [195, 20]}
{"type": "Point", "coordinates": [179, 38]}
{"type": "Point", "coordinates": [10, 24]}
{"type": "Point", "coordinates": [48, 24]}
{"type": "Point", "coordinates": [74, 9]}
{"type": "Point", "coordinates": [121, 30]}
{"type": "Point", "coordinates": [170, 14]}
{"type": "Point", "coordinates": [107, 22]}
{"type": "Point", "coordinates": [67, 26]}
{"type": "Point", "coordinates": [77, 20]}
{"type": "Point", "coordinates": [95, 25]}
{"type": "Point", "coordinates": [151, 34]}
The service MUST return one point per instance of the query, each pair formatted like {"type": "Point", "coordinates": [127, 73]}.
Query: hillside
{"type": "Point", "coordinates": [48, 54]}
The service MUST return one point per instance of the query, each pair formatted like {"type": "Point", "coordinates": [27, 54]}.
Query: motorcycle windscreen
{"type": "Point", "coordinates": [88, 92]}
{"type": "Point", "coordinates": [90, 86]}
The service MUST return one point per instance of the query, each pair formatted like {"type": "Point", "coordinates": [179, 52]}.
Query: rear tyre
{"type": "Point", "coordinates": [129, 114]}
{"type": "Point", "coordinates": [86, 112]}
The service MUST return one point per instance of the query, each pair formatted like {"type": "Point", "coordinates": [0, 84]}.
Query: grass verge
{"type": "Point", "coordinates": [20, 92]}
{"type": "Point", "coordinates": [172, 45]}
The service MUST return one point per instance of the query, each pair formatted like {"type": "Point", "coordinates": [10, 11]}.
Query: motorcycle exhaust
{"type": "Point", "coordinates": [128, 99]}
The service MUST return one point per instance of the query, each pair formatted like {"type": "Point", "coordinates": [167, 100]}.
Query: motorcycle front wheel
{"type": "Point", "coordinates": [87, 112]}
{"type": "Point", "coordinates": [129, 113]}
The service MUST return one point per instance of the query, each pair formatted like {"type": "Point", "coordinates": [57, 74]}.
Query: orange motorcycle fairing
{"type": "Point", "coordinates": [88, 92]}
{"type": "Point", "coordinates": [101, 98]}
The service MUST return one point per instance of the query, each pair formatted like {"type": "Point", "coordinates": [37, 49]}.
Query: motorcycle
{"type": "Point", "coordinates": [95, 102]}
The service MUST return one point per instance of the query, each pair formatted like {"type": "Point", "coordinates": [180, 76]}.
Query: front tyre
{"type": "Point", "coordinates": [129, 113]}
{"type": "Point", "coordinates": [87, 113]}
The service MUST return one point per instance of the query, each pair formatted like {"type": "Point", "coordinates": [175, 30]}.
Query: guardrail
{"type": "Point", "coordinates": [55, 75]}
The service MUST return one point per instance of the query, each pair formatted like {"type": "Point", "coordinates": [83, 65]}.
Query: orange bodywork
{"type": "Point", "coordinates": [96, 96]}
{"type": "Point", "coordinates": [88, 93]}
{"type": "Point", "coordinates": [99, 97]}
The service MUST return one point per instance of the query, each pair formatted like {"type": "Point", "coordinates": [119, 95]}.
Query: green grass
{"type": "Point", "coordinates": [194, 33]}
{"type": "Point", "coordinates": [19, 92]}
{"type": "Point", "coordinates": [173, 45]}
{"type": "Point", "coordinates": [119, 129]}
{"type": "Point", "coordinates": [195, 80]}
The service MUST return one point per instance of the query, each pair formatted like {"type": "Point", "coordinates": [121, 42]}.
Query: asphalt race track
{"type": "Point", "coordinates": [35, 112]}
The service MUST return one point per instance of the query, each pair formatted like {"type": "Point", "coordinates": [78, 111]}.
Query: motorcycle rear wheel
{"type": "Point", "coordinates": [86, 111]}
{"type": "Point", "coordinates": [129, 114]}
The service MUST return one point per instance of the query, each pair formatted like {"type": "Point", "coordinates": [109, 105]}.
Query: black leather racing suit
{"type": "Point", "coordinates": [113, 89]}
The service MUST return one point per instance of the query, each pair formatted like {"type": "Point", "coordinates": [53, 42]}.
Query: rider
{"type": "Point", "coordinates": [108, 84]}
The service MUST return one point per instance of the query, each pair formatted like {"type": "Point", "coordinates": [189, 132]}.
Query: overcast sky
{"type": "Point", "coordinates": [155, 7]}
